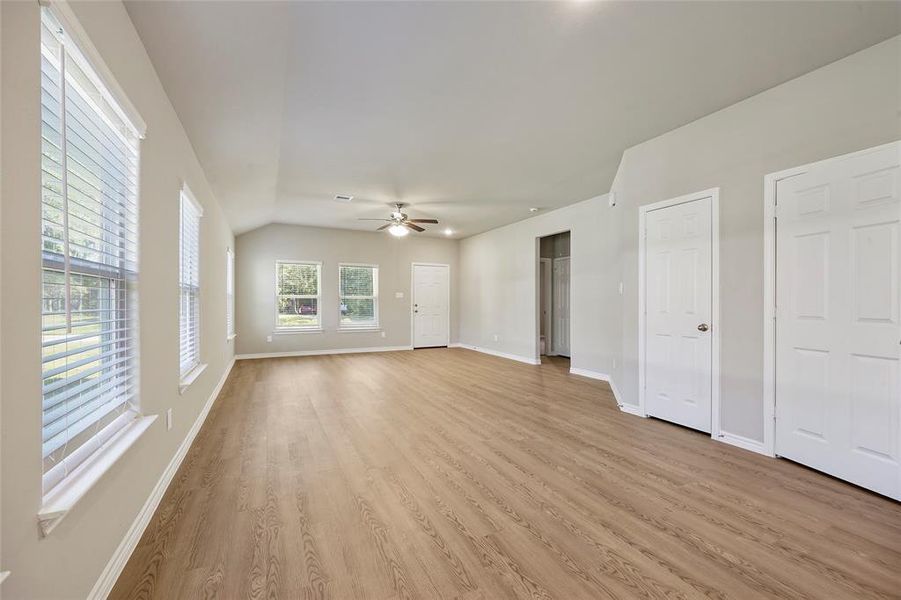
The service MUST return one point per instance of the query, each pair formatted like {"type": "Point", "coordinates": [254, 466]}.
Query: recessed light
{"type": "Point", "coordinates": [448, 231]}
{"type": "Point", "coordinates": [533, 209]}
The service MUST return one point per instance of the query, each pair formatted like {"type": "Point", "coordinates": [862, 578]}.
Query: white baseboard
{"type": "Point", "coordinates": [120, 557]}
{"type": "Point", "coordinates": [742, 442]}
{"type": "Point", "coordinates": [516, 357]}
{"type": "Point", "coordinates": [605, 377]}
{"type": "Point", "coordinates": [590, 374]}
{"type": "Point", "coordinates": [322, 352]}
{"type": "Point", "coordinates": [631, 409]}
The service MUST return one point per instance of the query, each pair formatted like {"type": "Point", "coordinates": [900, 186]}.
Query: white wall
{"type": "Point", "coordinates": [852, 104]}
{"type": "Point", "coordinates": [499, 281]}
{"type": "Point", "coordinates": [255, 258]}
{"type": "Point", "coordinates": [68, 562]}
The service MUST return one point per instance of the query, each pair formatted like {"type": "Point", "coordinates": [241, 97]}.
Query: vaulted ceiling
{"type": "Point", "coordinates": [471, 112]}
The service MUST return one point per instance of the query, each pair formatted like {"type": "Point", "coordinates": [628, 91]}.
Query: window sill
{"type": "Point", "coordinates": [231, 337]}
{"type": "Point", "coordinates": [298, 330]}
{"type": "Point", "coordinates": [66, 494]}
{"type": "Point", "coordinates": [358, 329]}
{"type": "Point", "coordinates": [190, 378]}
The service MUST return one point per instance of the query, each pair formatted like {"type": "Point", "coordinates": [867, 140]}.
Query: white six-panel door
{"type": "Point", "coordinates": [430, 305]}
{"type": "Point", "coordinates": [838, 399]}
{"type": "Point", "coordinates": [678, 303]}
{"type": "Point", "coordinates": [561, 306]}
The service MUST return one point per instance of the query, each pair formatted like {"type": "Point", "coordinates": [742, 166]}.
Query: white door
{"type": "Point", "coordinates": [678, 322]}
{"type": "Point", "coordinates": [545, 303]}
{"type": "Point", "coordinates": [430, 305]}
{"type": "Point", "coordinates": [560, 312]}
{"type": "Point", "coordinates": [838, 400]}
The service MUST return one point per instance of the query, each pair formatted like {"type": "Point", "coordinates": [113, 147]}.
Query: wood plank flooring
{"type": "Point", "coordinates": [452, 474]}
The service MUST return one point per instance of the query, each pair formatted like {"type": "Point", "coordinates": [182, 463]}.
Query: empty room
{"type": "Point", "coordinates": [452, 299]}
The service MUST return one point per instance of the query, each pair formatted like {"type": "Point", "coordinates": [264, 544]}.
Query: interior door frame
{"type": "Point", "coordinates": [413, 266]}
{"type": "Point", "coordinates": [537, 290]}
{"type": "Point", "coordinates": [770, 183]}
{"type": "Point", "coordinates": [546, 294]}
{"type": "Point", "coordinates": [714, 195]}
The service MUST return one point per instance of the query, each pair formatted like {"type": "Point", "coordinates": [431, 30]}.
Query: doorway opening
{"type": "Point", "coordinates": [554, 295]}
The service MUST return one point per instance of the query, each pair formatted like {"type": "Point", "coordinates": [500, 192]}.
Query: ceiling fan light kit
{"type": "Point", "coordinates": [400, 224]}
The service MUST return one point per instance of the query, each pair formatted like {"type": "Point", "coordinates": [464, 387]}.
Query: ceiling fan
{"type": "Point", "coordinates": [400, 224]}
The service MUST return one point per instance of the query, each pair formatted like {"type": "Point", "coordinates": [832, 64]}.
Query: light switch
{"type": "Point", "coordinates": [398, 295]}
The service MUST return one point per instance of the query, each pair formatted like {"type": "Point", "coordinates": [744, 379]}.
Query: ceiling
{"type": "Point", "coordinates": [472, 112]}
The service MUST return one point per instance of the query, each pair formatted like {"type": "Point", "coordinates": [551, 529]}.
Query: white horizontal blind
{"type": "Point", "coordinates": [89, 209]}
{"type": "Point", "coordinates": [298, 287]}
{"type": "Point", "coordinates": [189, 285]}
{"type": "Point", "coordinates": [230, 292]}
{"type": "Point", "coordinates": [359, 295]}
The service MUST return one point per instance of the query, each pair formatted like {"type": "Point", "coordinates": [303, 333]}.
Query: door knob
{"type": "Point", "coordinates": [703, 327]}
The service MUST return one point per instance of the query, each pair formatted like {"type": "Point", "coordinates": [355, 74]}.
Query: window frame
{"type": "Point", "coordinates": [187, 376]}
{"type": "Point", "coordinates": [374, 297]}
{"type": "Point", "coordinates": [231, 326]}
{"type": "Point", "coordinates": [64, 484]}
{"type": "Point", "coordinates": [278, 328]}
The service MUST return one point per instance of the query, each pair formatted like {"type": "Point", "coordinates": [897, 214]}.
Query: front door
{"type": "Point", "coordinates": [430, 305]}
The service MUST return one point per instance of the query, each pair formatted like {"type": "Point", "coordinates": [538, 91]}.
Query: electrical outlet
{"type": "Point", "coordinates": [168, 419]}
{"type": "Point", "coordinates": [398, 295]}
{"type": "Point", "coordinates": [268, 338]}
{"type": "Point", "coordinates": [620, 288]}
{"type": "Point", "coordinates": [496, 337]}
{"type": "Point", "coordinates": [383, 334]}
{"type": "Point", "coordinates": [614, 364]}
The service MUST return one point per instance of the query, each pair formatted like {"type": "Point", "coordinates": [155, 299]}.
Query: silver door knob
{"type": "Point", "coordinates": [703, 327]}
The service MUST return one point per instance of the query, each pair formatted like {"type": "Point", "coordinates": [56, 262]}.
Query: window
{"type": "Point", "coordinates": [89, 226]}
{"type": "Point", "coordinates": [358, 291]}
{"type": "Point", "coordinates": [230, 294]}
{"type": "Point", "coordinates": [189, 284]}
{"type": "Point", "coordinates": [298, 286]}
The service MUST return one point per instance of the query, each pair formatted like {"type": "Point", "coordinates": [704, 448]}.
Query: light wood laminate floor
{"type": "Point", "coordinates": [452, 474]}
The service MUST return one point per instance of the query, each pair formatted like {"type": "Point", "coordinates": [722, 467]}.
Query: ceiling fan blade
{"type": "Point", "coordinates": [362, 219]}
{"type": "Point", "coordinates": [385, 226]}
{"type": "Point", "coordinates": [422, 221]}
{"type": "Point", "coordinates": [414, 227]}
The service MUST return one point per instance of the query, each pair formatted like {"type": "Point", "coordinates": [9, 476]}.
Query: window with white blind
{"type": "Point", "coordinates": [189, 285]}
{"type": "Point", "coordinates": [358, 294]}
{"type": "Point", "coordinates": [230, 293]}
{"type": "Point", "coordinates": [89, 227]}
{"type": "Point", "coordinates": [298, 286]}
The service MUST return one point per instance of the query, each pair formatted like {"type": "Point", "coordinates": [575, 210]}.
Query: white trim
{"type": "Point", "coordinates": [118, 98]}
{"type": "Point", "coordinates": [321, 352]}
{"type": "Point", "coordinates": [63, 497]}
{"type": "Point", "coordinates": [770, 183]}
{"type": "Point", "coordinates": [590, 374]}
{"type": "Point", "coordinates": [413, 266]}
{"type": "Point", "coordinates": [714, 195]}
{"type": "Point", "coordinates": [190, 377]}
{"type": "Point", "coordinates": [113, 569]}
{"type": "Point", "coordinates": [3, 576]}
{"type": "Point", "coordinates": [525, 359]}
{"type": "Point", "coordinates": [548, 321]}
{"type": "Point", "coordinates": [743, 442]}
{"type": "Point", "coordinates": [187, 193]}
{"type": "Point", "coordinates": [632, 410]}
{"type": "Point", "coordinates": [602, 377]}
